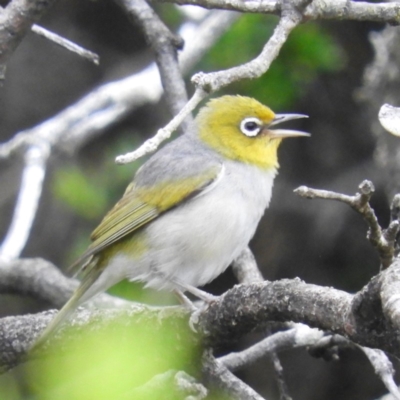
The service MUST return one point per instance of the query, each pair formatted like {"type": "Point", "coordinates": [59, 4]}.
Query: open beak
{"type": "Point", "coordinates": [284, 133]}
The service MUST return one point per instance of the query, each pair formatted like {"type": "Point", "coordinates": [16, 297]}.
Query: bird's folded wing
{"type": "Point", "coordinates": [142, 204]}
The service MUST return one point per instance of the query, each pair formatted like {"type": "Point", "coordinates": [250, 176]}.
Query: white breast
{"type": "Point", "coordinates": [197, 241]}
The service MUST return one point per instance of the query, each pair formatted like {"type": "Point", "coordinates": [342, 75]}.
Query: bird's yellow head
{"type": "Point", "coordinates": [239, 128]}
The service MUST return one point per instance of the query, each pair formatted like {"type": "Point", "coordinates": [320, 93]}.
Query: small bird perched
{"type": "Point", "coordinates": [191, 208]}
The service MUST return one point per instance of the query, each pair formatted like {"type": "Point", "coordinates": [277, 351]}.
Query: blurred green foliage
{"type": "Point", "coordinates": [309, 51]}
{"type": "Point", "coordinates": [10, 387]}
{"type": "Point", "coordinates": [113, 362]}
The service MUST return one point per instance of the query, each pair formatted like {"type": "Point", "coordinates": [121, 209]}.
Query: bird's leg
{"type": "Point", "coordinates": [200, 294]}
{"type": "Point", "coordinates": [184, 300]}
{"type": "Point", "coordinates": [194, 311]}
{"type": "Point", "coordinates": [185, 287]}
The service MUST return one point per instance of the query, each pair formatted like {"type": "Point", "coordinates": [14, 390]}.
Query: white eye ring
{"type": "Point", "coordinates": [251, 126]}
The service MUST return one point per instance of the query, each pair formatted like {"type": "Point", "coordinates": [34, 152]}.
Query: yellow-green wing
{"type": "Point", "coordinates": [142, 204]}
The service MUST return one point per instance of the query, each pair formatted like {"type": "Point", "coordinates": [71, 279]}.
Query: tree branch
{"type": "Point", "coordinates": [218, 376]}
{"type": "Point", "coordinates": [15, 22]}
{"type": "Point", "coordinates": [245, 268]}
{"type": "Point", "coordinates": [151, 145]}
{"type": "Point", "coordinates": [17, 334]}
{"type": "Point", "coordinates": [214, 81]}
{"type": "Point", "coordinates": [27, 202]}
{"type": "Point", "coordinates": [299, 336]}
{"type": "Point", "coordinates": [383, 368]}
{"type": "Point", "coordinates": [66, 44]}
{"type": "Point", "coordinates": [383, 241]}
{"type": "Point", "coordinates": [165, 44]}
{"type": "Point", "coordinates": [42, 280]}
{"type": "Point", "coordinates": [327, 9]}
{"type": "Point", "coordinates": [362, 318]}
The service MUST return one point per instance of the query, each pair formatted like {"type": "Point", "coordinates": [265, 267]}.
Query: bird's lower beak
{"type": "Point", "coordinates": [284, 133]}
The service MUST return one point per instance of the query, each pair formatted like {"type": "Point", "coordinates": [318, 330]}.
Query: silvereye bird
{"type": "Point", "coordinates": [192, 207]}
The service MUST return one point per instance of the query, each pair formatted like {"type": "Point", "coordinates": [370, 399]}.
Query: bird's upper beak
{"type": "Point", "coordinates": [284, 133]}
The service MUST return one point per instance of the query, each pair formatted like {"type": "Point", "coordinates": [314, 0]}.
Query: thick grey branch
{"type": "Point", "coordinates": [363, 318]}
{"type": "Point", "coordinates": [370, 318]}
{"type": "Point", "coordinates": [318, 9]}
{"type": "Point", "coordinates": [42, 280]}
{"type": "Point", "coordinates": [165, 44]}
{"type": "Point", "coordinates": [245, 268]}
{"type": "Point", "coordinates": [244, 307]}
{"type": "Point", "coordinates": [17, 334]}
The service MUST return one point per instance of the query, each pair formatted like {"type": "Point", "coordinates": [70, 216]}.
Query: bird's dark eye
{"type": "Point", "coordinates": [251, 126]}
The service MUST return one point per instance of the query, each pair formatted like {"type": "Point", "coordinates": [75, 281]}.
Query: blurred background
{"type": "Point", "coordinates": [322, 71]}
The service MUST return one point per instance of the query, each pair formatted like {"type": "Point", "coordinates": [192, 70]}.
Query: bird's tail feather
{"type": "Point", "coordinates": [68, 308]}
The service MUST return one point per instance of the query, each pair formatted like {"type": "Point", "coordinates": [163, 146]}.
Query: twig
{"type": "Point", "coordinates": [214, 81]}
{"type": "Point", "coordinates": [279, 377]}
{"type": "Point", "coordinates": [152, 144]}
{"type": "Point", "coordinates": [299, 336]}
{"type": "Point", "coordinates": [27, 201]}
{"type": "Point", "coordinates": [67, 44]}
{"type": "Point", "coordinates": [15, 22]}
{"type": "Point", "coordinates": [217, 375]}
{"type": "Point", "coordinates": [383, 368]}
{"type": "Point", "coordinates": [383, 241]}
